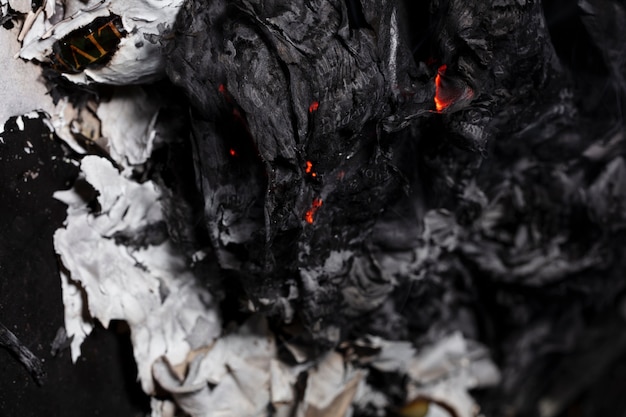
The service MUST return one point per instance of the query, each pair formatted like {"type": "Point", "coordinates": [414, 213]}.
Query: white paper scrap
{"type": "Point", "coordinates": [126, 283]}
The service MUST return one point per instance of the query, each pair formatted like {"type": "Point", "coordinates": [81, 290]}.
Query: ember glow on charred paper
{"type": "Point", "coordinates": [450, 90]}
{"type": "Point", "coordinates": [309, 169]}
{"type": "Point", "coordinates": [314, 106]}
{"type": "Point", "coordinates": [91, 45]}
{"type": "Point", "coordinates": [309, 216]}
{"type": "Point", "coordinates": [440, 102]}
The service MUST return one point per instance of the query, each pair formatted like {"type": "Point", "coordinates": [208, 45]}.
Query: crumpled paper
{"type": "Point", "coordinates": [137, 58]}
{"type": "Point", "coordinates": [177, 335]}
{"type": "Point", "coordinates": [148, 286]}
{"type": "Point", "coordinates": [146, 281]}
{"type": "Point", "coordinates": [442, 372]}
{"type": "Point", "coordinates": [238, 368]}
{"type": "Point", "coordinates": [241, 375]}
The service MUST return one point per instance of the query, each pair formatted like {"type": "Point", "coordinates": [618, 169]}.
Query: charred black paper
{"type": "Point", "coordinates": [325, 132]}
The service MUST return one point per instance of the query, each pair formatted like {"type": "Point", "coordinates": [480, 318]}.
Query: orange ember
{"type": "Point", "coordinates": [317, 203]}
{"type": "Point", "coordinates": [232, 152]}
{"type": "Point", "coordinates": [441, 103]}
{"type": "Point", "coordinates": [309, 169]}
{"type": "Point", "coordinates": [314, 106]}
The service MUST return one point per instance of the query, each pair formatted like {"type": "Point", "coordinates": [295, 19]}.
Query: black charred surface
{"type": "Point", "coordinates": [318, 141]}
{"type": "Point", "coordinates": [325, 168]}
{"type": "Point", "coordinates": [295, 167]}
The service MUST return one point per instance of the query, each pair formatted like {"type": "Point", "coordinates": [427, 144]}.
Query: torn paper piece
{"type": "Point", "coordinates": [128, 121]}
{"type": "Point", "coordinates": [78, 323]}
{"type": "Point", "coordinates": [445, 372]}
{"type": "Point", "coordinates": [150, 288]}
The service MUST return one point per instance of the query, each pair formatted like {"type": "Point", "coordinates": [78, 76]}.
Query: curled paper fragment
{"type": "Point", "coordinates": [109, 41]}
{"type": "Point", "coordinates": [149, 287]}
{"type": "Point", "coordinates": [128, 120]}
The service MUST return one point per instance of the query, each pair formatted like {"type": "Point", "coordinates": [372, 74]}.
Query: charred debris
{"type": "Point", "coordinates": [406, 170]}
{"type": "Point", "coordinates": [399, 169]}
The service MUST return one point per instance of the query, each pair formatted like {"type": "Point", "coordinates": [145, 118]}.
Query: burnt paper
{"type": "Point", "coordinates": [33, 364]}
{"type": "Point", "coordinates": [303, 135]}
{"type": "Point", "coordinates": [90, 45]}
{"type": "Point", "coordinates": [362, 207]}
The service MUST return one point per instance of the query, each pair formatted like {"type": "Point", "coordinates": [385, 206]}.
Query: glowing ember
{"type": "Point", "coordinates": [450, 90]}
{"type": "Point", "coordinates": [309, 169]}
{"type": "Point", "coordinates": [314, 106]}
{"type": "Point", "coordinates": [317, 203]}
{"type": "Point", "coordinates": [232, 152]}
{"type": "Point", "coordinates": [224, 92]}
{"type": "Point", "coordinates": [440, 102]}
